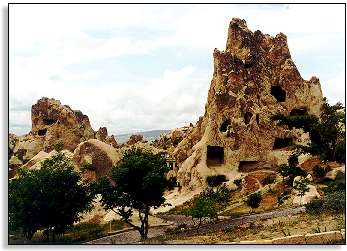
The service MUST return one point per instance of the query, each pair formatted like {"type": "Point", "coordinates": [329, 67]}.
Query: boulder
{"type": "Point", "coordinates": [309, 196]}
{"type": "Point", "coordinates": [96, 157]}
{"type": "Point", "coordinates": [134, 139]}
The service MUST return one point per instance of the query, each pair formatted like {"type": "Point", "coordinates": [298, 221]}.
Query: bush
{"type": "Point", "coordinates": [253, 200]}
{"type": "Point", "coordinates": [284, 196]}
{"type": "Point", "coordinates": [215, 180]}
{"type": "Point", "coordinates": [335, 202]}
{"type": "Point", "coordinates": [340, 154]}
{"type": "Point", "coordinates": [269, 180]}
{"type": "Point", "coordinates": [320, 171]}
{"type": "Point", "coordinates": [238, 182]}
{"type": "Point", "coordinates": [172, 183]}
{"type": "Point", "coordinates": [315, 207]}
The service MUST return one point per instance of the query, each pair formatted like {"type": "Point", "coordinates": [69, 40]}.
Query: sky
{"type": "Point", "coordinates": [143, 67]}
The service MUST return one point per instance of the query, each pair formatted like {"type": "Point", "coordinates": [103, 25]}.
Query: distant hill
{"type": "Point", "coordinates": [148, 135]}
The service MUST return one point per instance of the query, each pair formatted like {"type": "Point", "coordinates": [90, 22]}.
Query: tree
{"type": "Point", "coordinates": [50, 198]}
{"type": "Point", "coordinates": [137, 182]}
{"type": "Point", "coordinates": [208, 204]}
{"type": "Point", "coordinates": [301, 185]}
{"type": "Point", "coordinates": [291, 170]}
{"type": "Point", "coordinates": [253, 200]}
{"type": "Point", "coordinates": [326, 133]}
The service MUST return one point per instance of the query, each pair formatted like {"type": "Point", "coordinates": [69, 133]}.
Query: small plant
{"type": "Point", "coordinates": [335, 202]}
{"type": "Point", "coordinates": [302, 186]}
{"type": "Point", "coordinates": [269, 180]}
{"type": "Point", "coordinates": [314, 207]}
{"type": "Point", "coordinates": [172, 183]}
{"type": "Point", "coordinates": [320, 171]}
{"type": "Point", "coordinates": [238, 182]}
{"type": "Point", "coordinates": [284, 196]}
{"type": "Point", "coordinates": [87, 167]}
{"type": "Point", "coordinates": [253, 200]}
{"type": "Point", "coordinates": [215, 180]}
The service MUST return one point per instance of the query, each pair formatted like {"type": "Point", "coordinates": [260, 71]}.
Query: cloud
{"type": "Point", "coordinates": [95, 58]}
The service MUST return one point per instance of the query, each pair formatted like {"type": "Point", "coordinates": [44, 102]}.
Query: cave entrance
{"type": "Point", "coordinates": [298, 112]}
{"type": "Point", "coordinates": [282, 143]}
{"type": "Point", "coordinates": [247, 117]}
{"type": "Point", "coordinates": [257, 118]}
{"type": "Point", "coordinates": [278, 93]}
{"type": "Point", "coordinates": [215, 155]}
{"type": "Point", "coordinates": [49, 121]}
{"type": "Point", "coordinates": [42, 132]}
{"type": "Point", "coordinates": [224, 125]}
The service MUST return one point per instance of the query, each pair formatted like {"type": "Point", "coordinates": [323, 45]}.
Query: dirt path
{"type": "Point", "coordinates": [133, 236]}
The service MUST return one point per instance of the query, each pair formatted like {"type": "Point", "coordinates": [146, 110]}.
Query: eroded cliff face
{"type": "Point", "coordinates": [55, 126]}
{"type": "Point", "coordinates": [254, 78]}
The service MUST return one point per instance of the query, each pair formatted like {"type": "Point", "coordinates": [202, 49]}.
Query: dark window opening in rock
{"type": "Point", "coordinates": [298, 112]}
{"type": "Point", "coordinates": [278, 93]}
{"type": "Point", "coordinates": [282, 142]}
{"type": "Point", "coordinates": [257, 118]}
{"type": "Point", "coordinates": [42, 132]}
{"type": "Point", "coordinates": [248, 165]}
{"type": "Point", "coordinates": [247, 117]}
{"type": "Point", "coordinates": [49, 121]}
{"type": "Point", "coordinates": [224, 125]}
{"type": "Point", "coordinates": [215, 155]}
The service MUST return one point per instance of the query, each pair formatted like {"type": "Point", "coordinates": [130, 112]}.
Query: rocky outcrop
{"type": "Point", "coordinates": [55, 126]}
{"type": "Point", "coordinates": [95, 158]}
{"type": "Point", "coordinates": [134, 139]}
{"type": "Point", "coordinates": [254, 78]}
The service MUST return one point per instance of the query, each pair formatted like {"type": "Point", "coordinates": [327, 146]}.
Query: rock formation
{"type": "Point", "coordinates": [134, 139]}
{"type": "Point", "coordinates": [254, 78]}
{"type": "Point", "coordinates": [96, 158]}
{"type": "Point", "coordinates": [55, 126]}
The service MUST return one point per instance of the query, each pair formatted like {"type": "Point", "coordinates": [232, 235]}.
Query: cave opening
{"type": "Point", "coordinates": [49, 121]}
{"type": "Point", "coordinates": [257, 118]}
{"type": "Point", "coordinates": [215, 155]}
{"type": "Point", "coordinates": [298, 112]}
{"type": "Point", "coordinates": [42, 132]}
{"type": "Point", "coordinates": [224, 125]}
{"type": "Point", "coordinates": [278, 93]}
{"type": "Point", "coordinates": [282, 143]}
{"type": "Point", "coordinates": [247, 117]}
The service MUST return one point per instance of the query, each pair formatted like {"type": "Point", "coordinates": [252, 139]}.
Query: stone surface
{"type": "Point", "coordinates": [309, 196]}
{"type": "Point", "coordinates": [54, 126]}
{"type": "Point", "coordinates": [97, 156]}
{"type": "Point", "coordinates": [323, 238]}
{"type": "Point", "coordinates": [295, 239]}
{"type": "Point", "coordinates": [134, 139]}
{"type": "Point", "coordinates": [254, 78]}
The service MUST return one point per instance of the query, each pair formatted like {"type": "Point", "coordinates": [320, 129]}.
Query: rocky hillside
{"type": "Point", "coordinates": [254, 78]}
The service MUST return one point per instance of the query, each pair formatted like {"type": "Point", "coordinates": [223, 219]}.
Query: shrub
{"type": "Point", "coordinates": [320, 171]}
{"type": "Point", "coordinates": [215, 180]}
{"type": "Point", "coordinates": [269, 180]}
{"type": "Point", "coordinates": [315, 207]}
{"type": "Point", "coordinates": [335, 202]}
{"type": "Point", "coordinates": [172, 183]}
{"type": "Point", "coordinates": [253, 200]}
{"type": "Point", "coordinates": [238, 182]}
{"type": "Point", "coordinates": [284, 196]}
{"type": "Point", "coordinates": [340, 154]}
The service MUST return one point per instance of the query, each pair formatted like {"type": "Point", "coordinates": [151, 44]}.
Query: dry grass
{"type": "Point", "coordinates": [268, 229]}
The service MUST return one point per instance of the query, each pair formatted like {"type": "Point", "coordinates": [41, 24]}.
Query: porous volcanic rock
{"type": "Point", "coordinates": [254, 78]}
{"type": "Point", "coordinates": [55, 126]}
{"type": "Point", "coordinates": [134, 139]}
{"type": "Point", "coordinates": [97, 156]}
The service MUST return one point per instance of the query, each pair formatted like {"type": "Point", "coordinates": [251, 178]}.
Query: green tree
{"type": "Point", "coordinates": [208, 204]}
{"type": "Point", "coordinates": [301, 185]}
{"type": "Point", "coordinates": [291, 170]}
{"type": "Point", "coordinates": [253, 200]}
{"type": "Point", "coordinates": [137, 182]}
{"type": "Point", "coordinates": [50, 198]}
{"type": "Point", "coordinates": [326, 133]}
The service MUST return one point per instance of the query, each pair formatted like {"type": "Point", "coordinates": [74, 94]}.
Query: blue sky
{"type": "Point", "coordinates": [142, 67]}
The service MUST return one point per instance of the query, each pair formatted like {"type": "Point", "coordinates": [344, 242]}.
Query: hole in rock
{"type": "Point", "coordinates": [224, 125]}
{"type": "Point", "coordinates": [215, 155]}
{"type": "Point", "coordinates": [257, 118]}
{"type": "Point", "coordinates": [282, 142]}
{"type": "Point", "coordinates": [49, 121]}
{"type": "Point", "coordinates": [298, 112]}
{"type": "Point", "coordinates": [278, 93]}
{"type": "Point", "coordinates": [248, 165]}
{"type": "Point", "coordinates": [42, 132]}
{"type": "Point", "coordinates": [247, 117]}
